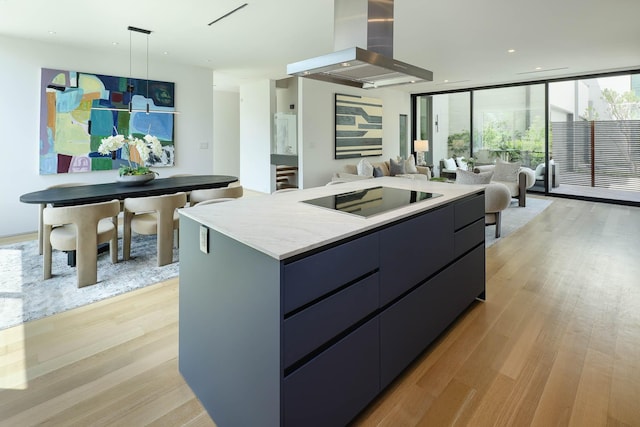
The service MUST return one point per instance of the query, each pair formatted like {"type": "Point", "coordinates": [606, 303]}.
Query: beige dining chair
{"type": "Point", "coordinates": [153, 215]}
{"type": "Point", "coordinates": [181, 175]}
{"type": "Point", "coordinates": [231, 192]}
{"type": "Point", "coordinates": [44, 205]}
{"type": "Point", "coordinates": [81, 228]}
{"type": "Point", "coordinates": [212, 201]}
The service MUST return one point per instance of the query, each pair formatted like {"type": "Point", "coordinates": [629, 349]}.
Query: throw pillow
{"type": "Point", "coordinates": [507, 172]}
{"type": "Point", "coordinates": [377, 172]}
{"type": "Point", "coordinates": [450, 164]}
{"type": "Point", "coordinates": [364, 168]}
{"type": "Point", "coordinates": [462, 164]}
{"type": "Point", "coordinates": [466, 177]}
{"type": "Point", "coordinates": [410, 165]}
{"type": "Point", "coordinates": [396, 167]}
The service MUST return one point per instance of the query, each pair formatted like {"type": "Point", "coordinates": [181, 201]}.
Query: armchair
{"type": "Point", "coordinates": [517, 178]}
{"type": "Point", "coordinates": [81, 228]}
{"type": "Point", "coordinates": [153, 215]}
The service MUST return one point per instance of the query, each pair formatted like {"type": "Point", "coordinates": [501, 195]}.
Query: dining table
{"type": "Point", "coordinates": [94, 193]}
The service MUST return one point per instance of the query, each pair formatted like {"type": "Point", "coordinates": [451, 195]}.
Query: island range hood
{"type": "Point", "coordinates": [361, 23]}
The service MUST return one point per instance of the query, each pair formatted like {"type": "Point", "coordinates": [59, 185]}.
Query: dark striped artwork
{"type": "Point", "coordinates": [358, 126]}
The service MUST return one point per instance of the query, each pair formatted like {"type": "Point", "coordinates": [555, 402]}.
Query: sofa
{"type": "Point", "coordinates": [516, 177]}
{"type": "Point", "coordinates": [448, 167]}
{"type": "Point", "coordinates": [350, 172]}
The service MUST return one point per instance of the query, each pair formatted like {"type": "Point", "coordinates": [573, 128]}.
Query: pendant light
{"type": "Point", "coordinates": [130, 108]}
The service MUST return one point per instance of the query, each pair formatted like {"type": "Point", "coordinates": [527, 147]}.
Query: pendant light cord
{"type": "Point", "coordinates": [130, 86]}
{"type": "Point", "coordinates": [147, 73]}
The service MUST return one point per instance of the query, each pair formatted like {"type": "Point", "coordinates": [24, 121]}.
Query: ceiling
{"type": "Point", "coordinates": [465, 43]}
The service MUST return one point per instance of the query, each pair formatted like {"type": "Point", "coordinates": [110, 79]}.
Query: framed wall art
{"type": "Point", "coordinates": [78, 110]}
{"type": "Point", "coordinates": [358, 126]}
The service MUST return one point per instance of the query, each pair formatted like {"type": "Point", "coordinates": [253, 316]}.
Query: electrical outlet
{"type": "Point", "coordinates": [204, 239]}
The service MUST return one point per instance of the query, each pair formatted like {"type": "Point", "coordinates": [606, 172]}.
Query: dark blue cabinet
{"type": "Point", "coordinates": [413, 250]}
{"type": "Point", "coordinates": [412, 323]}
{"type": "Point", "coordinates": [311, 341]}
{"type": "Point", "coordinates": [333, 387]}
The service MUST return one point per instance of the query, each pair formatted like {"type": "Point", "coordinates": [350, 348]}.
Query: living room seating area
{"type": "Point", "coordinates": [364, 169]}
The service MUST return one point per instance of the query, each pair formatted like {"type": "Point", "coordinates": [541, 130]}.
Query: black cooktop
{"type": "Point", "coordinates": [371, 201]}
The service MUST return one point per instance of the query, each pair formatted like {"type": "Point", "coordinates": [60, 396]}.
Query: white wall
{"type": "Point", "coordinates": [226, 133]}
{"type": "Point", "coordinates": [257, 105]}
{"type": "Point", "coordinates": [316, 101]}
{"type": "Point", "coordinates": [20, 119]}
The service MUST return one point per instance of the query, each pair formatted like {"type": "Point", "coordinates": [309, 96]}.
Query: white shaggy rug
{"type": "Point", "coordinates": [25, 296]}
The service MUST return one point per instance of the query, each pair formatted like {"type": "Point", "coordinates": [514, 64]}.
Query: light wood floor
{"type": "Point", "coordinates": [556, 343]}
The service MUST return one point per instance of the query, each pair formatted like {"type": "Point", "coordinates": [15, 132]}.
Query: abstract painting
{"type": "Point", "coordinates": [358, 126]}
{"type": "Point", "coordinates": [78, 109]}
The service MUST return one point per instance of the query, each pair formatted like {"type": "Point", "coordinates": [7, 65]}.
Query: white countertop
{"type": "Point", "coordinates": [281, 226]}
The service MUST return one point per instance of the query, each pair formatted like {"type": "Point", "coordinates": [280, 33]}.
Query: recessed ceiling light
{"type": "Point", "coordinates": [538, 68]}
{"type": "Point", "coordinates": [115, 43]}
{"type": "Point", "coordinates": [511, 50]}
{"type": "Point", "coordinates": [165, 53]}
{"type": "Point", "coordinates": [52, 33]}
{"type": "Point", "coordinates": [446, 81]}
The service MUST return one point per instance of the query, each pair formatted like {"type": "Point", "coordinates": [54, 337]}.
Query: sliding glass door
{"type": "Point", "coordinates": [581, 136]}
{"type": "Point", "coordinates": [446, 121]}
{"type": "Point", "coordinates": [595, 132]}
{"type": "Point", "coordinates": [508, 124]}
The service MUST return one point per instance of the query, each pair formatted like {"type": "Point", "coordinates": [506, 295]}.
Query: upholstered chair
{"type": "Point", "coordinates": [230, 192]}
{"type": "Point", "coordinates": [516, 177]}
{"type": "Point", "coordinates": [81, 228]}
{"type": "Point", "coordinates": [43, 206]}
{"type": "Point", "coordinates": [153, 215]}
{"type": "Point", "coordinates": [497, 198]}
{"type": "Point", "coordinates": [213, 201]}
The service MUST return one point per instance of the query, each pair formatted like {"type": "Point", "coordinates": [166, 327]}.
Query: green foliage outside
{"type": "Point", "coordinates": [503, 142]}
{"type": "Point", "coordinates": [459, 144]}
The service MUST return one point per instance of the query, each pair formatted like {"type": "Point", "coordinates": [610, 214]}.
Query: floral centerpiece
{"type": "Point", "coordinates": [137, 150]}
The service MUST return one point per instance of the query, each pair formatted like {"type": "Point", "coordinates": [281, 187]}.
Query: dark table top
{"type": "Point", "coordinates": [94, 193]}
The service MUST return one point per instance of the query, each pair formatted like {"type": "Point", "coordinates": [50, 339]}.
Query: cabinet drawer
{"type": "Point", "coordinates": [316, 275]}
{"type": "Point", "coordinates": [468, 210]}
{"type": "Point", "coordinates": [314, 326]}
{"type": "Point", "coordinates": [332, 388]}
{"type": "Point", "coordinates": [412, 323]}
{"type": "Point", "coordinates": [413, 250]}
{"type": "Point", "coordinates": [468, 237]}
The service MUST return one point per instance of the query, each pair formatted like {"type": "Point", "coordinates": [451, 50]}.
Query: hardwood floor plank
{"type": "Point", "coordinates": [592, 396]}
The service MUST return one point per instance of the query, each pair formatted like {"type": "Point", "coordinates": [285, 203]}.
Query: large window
{"type": "Point", "coordinates": [508, 124]}
{"type": "Point", "coordinates": [581, 137]}
{"type": "Point", "coordinates": [595, 131]}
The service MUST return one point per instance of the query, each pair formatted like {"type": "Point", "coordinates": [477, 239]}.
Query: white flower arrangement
{"type": "Point", "coordinates": [149, 144]}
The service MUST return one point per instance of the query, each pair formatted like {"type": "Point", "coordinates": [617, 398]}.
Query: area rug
{"type": "Point", "coordinates": [514, 217]}
{"type": "Point", "coordinates": [25, 296]}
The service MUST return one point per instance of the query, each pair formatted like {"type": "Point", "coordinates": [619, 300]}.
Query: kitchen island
{"type": "Point", "coordinates": [296, 314]}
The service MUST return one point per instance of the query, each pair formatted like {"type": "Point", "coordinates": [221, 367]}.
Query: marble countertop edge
{"type": "Point", "coordinates": [280, 226]}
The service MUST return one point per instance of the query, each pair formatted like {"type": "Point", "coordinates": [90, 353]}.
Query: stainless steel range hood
{"type": "Point", "coordinates": [360, 23]}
